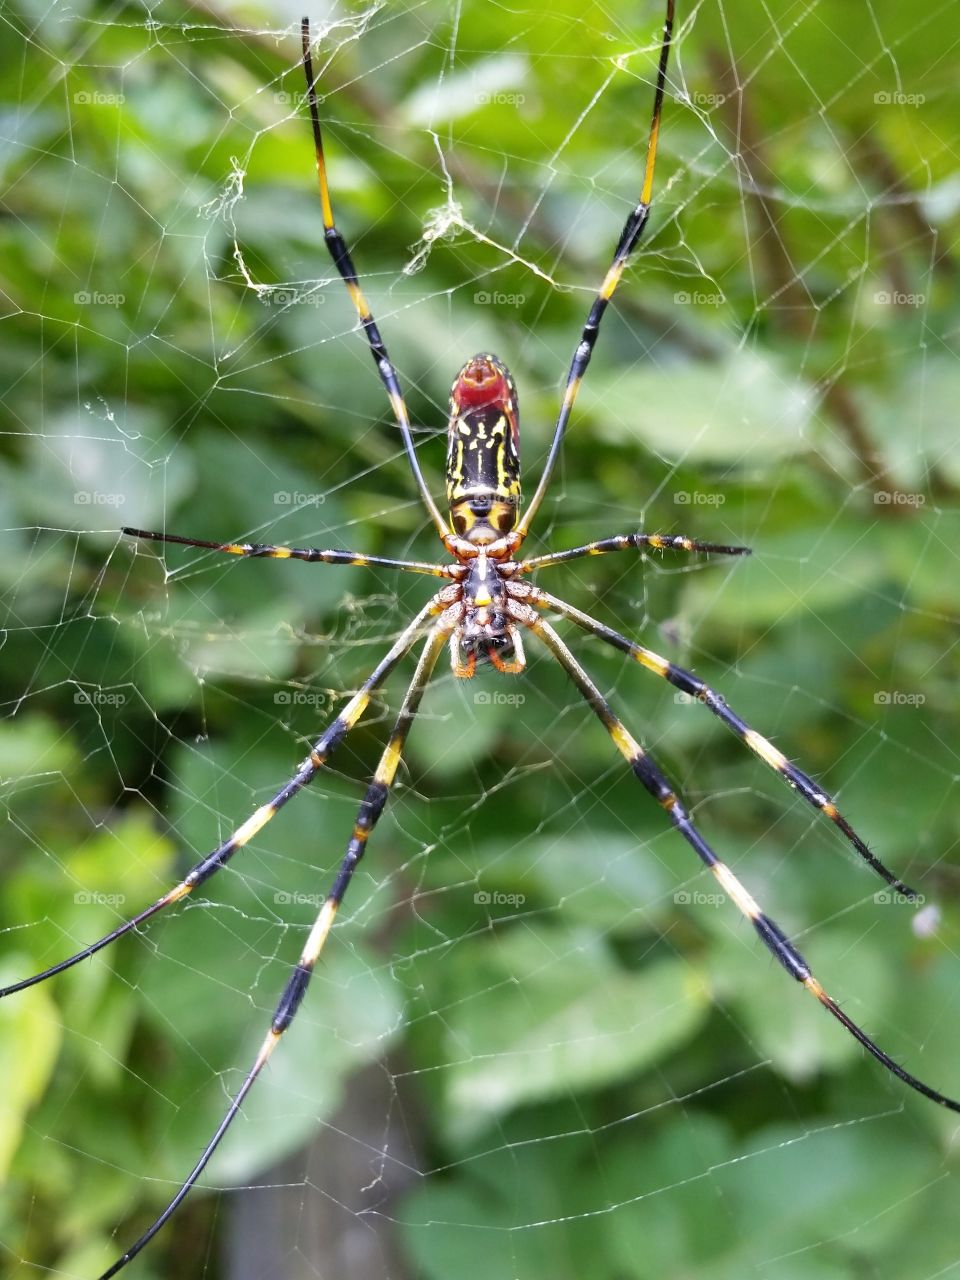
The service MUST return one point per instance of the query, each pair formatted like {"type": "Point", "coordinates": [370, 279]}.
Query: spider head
{"type": "Point", "coordinates": [483, 458]}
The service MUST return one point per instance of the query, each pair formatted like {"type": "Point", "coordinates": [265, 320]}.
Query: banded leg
{"type": "Point", "coordinates": [265, 551]}
{"type": "Point", "coordinates": [762, 747]}
{"type": "Point", "coordinates": [321, 751]}
{"type": "Point", "coordinates": [627, 542]}
{"type": "Point", "coordinates": [344, 264]}
{"type": "Point", "coordinates": [369, 812]}
{"type": "Point", "coordinates": [632, 231]}
{"type": "Point", "coordinates": [770, 933]}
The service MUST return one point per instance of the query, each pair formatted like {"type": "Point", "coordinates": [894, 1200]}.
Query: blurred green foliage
{"type": "Point", "coordinates": [608, 1075]}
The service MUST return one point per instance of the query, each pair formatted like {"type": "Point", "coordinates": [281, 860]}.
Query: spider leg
{"type": "Point", "coordinates": [690, 684]}
{"type": "Point", "coordinates": [344, 264]}
{"type": "Point", "coordinates": [367, 816]}
{"type": "Point", "coordinates": [625, 542]}
{"type": "Point", "coordinates": [321, 751]}
{"type": "Point", "coordinates": [510, 666]}
{"type": "Point", "coordinates": [264, 551]}
{"type": "Point", "coordinates": [632, 231]}
{"type": "Point", "coordinates": [463, 665]}
{"type": "Point", "coordinates": [770, 933]}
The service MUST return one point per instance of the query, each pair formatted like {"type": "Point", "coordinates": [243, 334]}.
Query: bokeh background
{"type": "Point", "coordinates": [538, 1042]}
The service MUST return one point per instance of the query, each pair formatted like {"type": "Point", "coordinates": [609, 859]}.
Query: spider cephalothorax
{"type": "Point", "coordinates": [487, 609]}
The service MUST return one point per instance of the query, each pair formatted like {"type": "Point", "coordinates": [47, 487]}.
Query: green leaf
{"type": "Point", "coordinates": [805, 570]}
{"type": "Point", "coordinates": [30, 1037]}
{"type": "Point", "coordinates": [736, 411]}
{"type": "Point", "coordinates": [573, 1020]}
{"type": "Point", "coordinates": [349, 1018]}
{"type": "Point", "coordinates": [32, 744]}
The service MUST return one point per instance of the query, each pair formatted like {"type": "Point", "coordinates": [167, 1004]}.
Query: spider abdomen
{"type": "Point", "coordinates": [483, 458]}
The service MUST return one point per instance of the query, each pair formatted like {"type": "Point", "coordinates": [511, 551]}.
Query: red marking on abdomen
{"type": "Point", "coordinates": [481, 384]}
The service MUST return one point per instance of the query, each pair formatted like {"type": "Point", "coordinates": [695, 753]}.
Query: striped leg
{"type": "Point", "coordinates": [369, 812]}
{"type": "Point", "coordinates": [632, 231]}
{"type": "Point", "coordinates": [690, 684]}
{"type": "Point", "coordinates": [322, 749]}
{"type": "Point", "coordinates": [344, 264]}
{"type": "Point", "coordinates": [770, 933]}
{"type": "Point", "coordinates": [626, 542]}
{"type": "Point", "coordinates": [264, 551]}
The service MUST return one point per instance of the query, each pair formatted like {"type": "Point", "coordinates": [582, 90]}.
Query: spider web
{"type": "Point", "coordinates": [539, 1042]}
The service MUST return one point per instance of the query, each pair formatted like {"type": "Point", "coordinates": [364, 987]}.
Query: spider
{"type": "Point", "coordinates": [482, 613]}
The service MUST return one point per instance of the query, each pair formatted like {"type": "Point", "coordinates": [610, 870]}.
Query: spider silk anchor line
{"type": "Point", "coordinates": [480, 613]}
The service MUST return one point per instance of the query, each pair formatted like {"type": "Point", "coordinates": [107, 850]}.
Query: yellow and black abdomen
{"type": "Point", "coordinates": [483, 458]}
